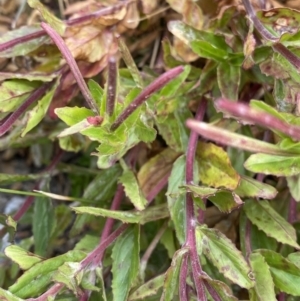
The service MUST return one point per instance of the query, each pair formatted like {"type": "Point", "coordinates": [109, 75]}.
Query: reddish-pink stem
{"type": "Point", "coordinates": [50, 293]}
{"type": "Point", "coordinates": [156, 85]}
{"type": "Point", "coordinates": [66, 53]}
{"type": "Point", "coordinates": [183, 296]}
{"type": "Point", "coordinates": [260, 118]}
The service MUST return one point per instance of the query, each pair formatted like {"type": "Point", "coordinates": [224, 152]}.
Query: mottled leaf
{"type": "Point", "coordinates": [268, 220]}
{"type": "Point", "coordinates": [224, 255]}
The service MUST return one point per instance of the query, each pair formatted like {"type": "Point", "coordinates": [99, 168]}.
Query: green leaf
{"type": "Point", "coordinates": [280, 166]}
{"type": "Point", "coordinates": [14, 92]}
{"type": "Point", "coordinates": [9, 224]}
{"type": "Point", "coordinates": [24, 47]}
{"type": "Point", "coordinates": [6, 179]}
{"type": "Point", "coordinates": [226, 201]}
{"type": "Point", "coordinates": [224, 255]}
{"type": "Point", "coordinates": [42, 225]}
{"type": "Point", "coordinates": [229, 78]}
{"type": "Point", "coordinates": [73, 115]}
{"type": "Point", "coordinates": [173, 129]}
{"type": "Point", "coordinates": [249, 187]}
{"type": "Point", "coordinates": [294, 187]}
{"type": "Point", "coordinates": [171, 284]}
{"type": "Point", "coordinates": [23, 258]}
{"type": "Point", "coordinates": [98, 95]}
{"type": "Point", "coordinates": [268, 220]}
{"type": "Point", "coordinates": [34, 116]}
{"type": "Point", "coordinates": [149, 288]}
{"type": "Point", "coordinates": [150, 214]}
{"type": "Point", "coordinates": [286, 275]}
{"type": "Point", "coordinates": [215, 168]}
{"type": "Point", "coordinates": [133, 190]}
{"type": "Point", "coordinates": [206, 50]}
{"type": "Point", "coordinates": [69, 275]}
{"type": "Point", "coordinates": [201, 191]}
{"type": "Point", "coordinates": [58, 25]}
{"type": "Point", "coordinates": [264, 285]}
{"type": "Point", "coordinates": [8, 296]}
{"type": "Point", "coordinates": [221, 289]}
{"type": "Point", "coordinates": [38, 277]}
{"type": "Point", "coordinates": [73, 143]}
{"type": "Point", "coordinates": [125, 266]}
{"type": "Point", "coordinates": [176, 201]}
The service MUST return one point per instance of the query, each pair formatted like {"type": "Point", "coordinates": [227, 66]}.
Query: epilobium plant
{"type": "Point", "coordinates": [184, 183]}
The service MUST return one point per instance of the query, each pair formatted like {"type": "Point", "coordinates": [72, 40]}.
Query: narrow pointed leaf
{"type": "Point", "coordinates": [125, 266]}
{"type": "Point", "coordinates": [268, 220]}
{"type": "Point", "coordinates": [264, 285]}
{"type": "Point", "coordinates": [224, 255]}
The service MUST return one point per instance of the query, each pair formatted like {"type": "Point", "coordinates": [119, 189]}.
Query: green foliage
{"type": "Point", "coordinates": [151, 205]}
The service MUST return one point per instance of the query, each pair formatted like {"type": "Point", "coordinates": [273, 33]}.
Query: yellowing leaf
{"type": "Point", "coordinates": [215, 168]}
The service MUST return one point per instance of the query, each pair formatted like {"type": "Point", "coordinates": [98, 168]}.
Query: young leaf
{"type": "Point", "coordinates": [125, 266]}
{"type": "Point", "coordinates": [133, 190]}
{"type": "Point", "coordinates": [286, 275]}
{"type": "Point", "coordinates": [215, 168]}
{"type": "Point", "coordinates": [264, 285]}
{"type": "Point", "coordinates": [280, 166]}
{"type": "Point", "coordinates": [249, 187]}
{"type": "Point", "coordinates": [38, 277]}
{"type": "Point", "coordinates": [224, 255]}
{"type": "Point", "coordinates": [98, 95]}
{"type": "Point", "coordinates": [171, 284]}
{"type": "Point", "coordinates": [176, 203]}
{"type": "Point", "coordinates": [149, 288]}
{"type": "Point", "coordinates": [23, 258]}
{"type": "Point", "coordinates": [73, 115]}
{"type": "Point", "coordinates": [268, 220]}
{"type": "Point", "coordinates": [34, 116]}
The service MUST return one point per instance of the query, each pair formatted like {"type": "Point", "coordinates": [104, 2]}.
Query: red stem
{"type": "Point", "coordinates": [156, 85]}
{"type": "Point", "coordinates": [183, 296]}
{"type": "Point", "coordinates": [66, 53]}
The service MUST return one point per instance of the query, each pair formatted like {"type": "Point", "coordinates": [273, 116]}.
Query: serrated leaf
{"type": "Point", "coordinates": [34, 116]}
{"type": "Point", "coordinates": [156, 169]}
{"type": "Point", "coordinates": [24, 47]}
{"type": "Point", "coordinates": [280, 166]}
{"type": "Point", "coordinates": [150, 214]}
{"type": "Point", "coordinates": [249, 187]}
{"type": "Point", "coordinates": [171, 284]}
{"type": "Point", "coordinates": [23, 258]}
{"type": "Point", "coordinates": [268, 220]}
{"type": "Point", "coordinates": [229, 78]}
{"type": "Point", "coordinates": [224, 255]}
{"type": "Point", "coordinates": [286, 275]}
{"type": "Point", "coordinates": [133, 190]}
{"type": "Point", "coordinates": [58, 25]}
{"type": "Point", "coordinates": [264, 285]}
{"type": "Point", "coordinates": [176, 203]}
{"type": "Point", "coordinates": [149, 288]}
{"type": "Point", "coordinates": [38, 277]}
{"type": "Point", "coordinates": [125, 266]}
{"type": "Point", "coordinates": [214, 167]}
